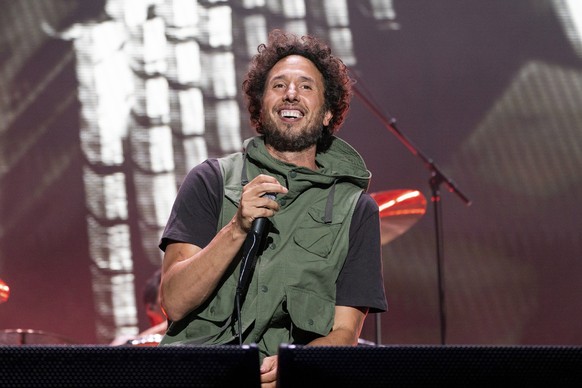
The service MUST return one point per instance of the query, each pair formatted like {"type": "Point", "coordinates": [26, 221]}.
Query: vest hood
{"type": "Point", "coordinates": [340, 162]}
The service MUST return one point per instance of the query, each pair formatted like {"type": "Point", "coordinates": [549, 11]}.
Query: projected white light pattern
{"type": "Point", "coordinates": [571, 13]}
{"type": "Point", "coordinates": [164, 77]}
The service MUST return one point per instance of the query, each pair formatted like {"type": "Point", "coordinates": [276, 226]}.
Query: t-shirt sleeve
{"type": "Point", "coordinates": [194, 215]}
{"type": "Point", "coordinates": [361, 280]}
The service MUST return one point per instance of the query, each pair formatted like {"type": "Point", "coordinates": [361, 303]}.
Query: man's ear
{"type": "Point", "coordinates": [327, 118]}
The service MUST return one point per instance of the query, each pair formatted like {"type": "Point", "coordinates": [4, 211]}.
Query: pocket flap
{"type": "Point", "coordinates": [315, 235]}
{"type": "Point", "coordinates": [309, 311]}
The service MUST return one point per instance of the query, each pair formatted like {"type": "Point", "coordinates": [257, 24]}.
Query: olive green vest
{"type": "Point", "coordinates": [291, 296]}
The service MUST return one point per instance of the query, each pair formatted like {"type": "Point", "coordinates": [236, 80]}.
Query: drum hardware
{"type": "Point", "coordinates": [4, 291]}
{"type": "Point", "coordinates": [29, 336]}
{"type": "Point", "coordinates": [399, 211]}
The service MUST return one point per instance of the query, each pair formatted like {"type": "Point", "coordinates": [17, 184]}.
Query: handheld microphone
{"type": "Point", "coordinates": [251, 247]}
{"type": "Point", "coordinates": [258, 226]}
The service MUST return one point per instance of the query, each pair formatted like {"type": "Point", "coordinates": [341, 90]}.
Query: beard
{"type": "Point", "coordinates": [286, 138]}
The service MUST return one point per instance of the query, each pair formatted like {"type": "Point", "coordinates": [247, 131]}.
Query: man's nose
{"type": "Point", "coordinates": [290, 93]}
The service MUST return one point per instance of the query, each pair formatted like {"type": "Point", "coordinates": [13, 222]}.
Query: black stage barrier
{"type": "Point", "coordinates": [129, 366]}
{"type": "Point", "coordinates": [429, 366]}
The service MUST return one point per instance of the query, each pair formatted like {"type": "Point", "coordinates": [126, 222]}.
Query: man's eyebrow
{"type": "Point", "coordinates": [302, 78]}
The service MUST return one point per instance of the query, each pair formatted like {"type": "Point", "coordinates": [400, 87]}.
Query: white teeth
{"type": "Point", "coordinates": [291, 113]}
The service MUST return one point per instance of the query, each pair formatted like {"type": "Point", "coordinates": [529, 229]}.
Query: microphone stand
{"type": "Point", "coordinates": [437, 177]}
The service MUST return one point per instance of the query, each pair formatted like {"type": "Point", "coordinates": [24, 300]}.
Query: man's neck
{"type": "Point", "coordinates": [305, 158]}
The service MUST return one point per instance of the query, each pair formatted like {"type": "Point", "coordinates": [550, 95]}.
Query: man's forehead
{"type": "Point", "coordinates": [296, 65]}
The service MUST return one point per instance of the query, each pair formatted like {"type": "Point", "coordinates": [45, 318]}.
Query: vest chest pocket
{"type": "Point", "coordinates": [315, 235]}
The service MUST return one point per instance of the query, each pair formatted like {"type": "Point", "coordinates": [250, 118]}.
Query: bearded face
{"type": "Point", "coordinates": [286, 137]}
{"type": "Point", "coordinates": [294, 114]}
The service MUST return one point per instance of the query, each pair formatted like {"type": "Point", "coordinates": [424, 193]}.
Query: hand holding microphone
{"type": "Point", "coordinates": [256, 202]}
{"type": "Point", "coordinates": [258, 225]}
{"type": "Point", "coordinates": [269, 186]}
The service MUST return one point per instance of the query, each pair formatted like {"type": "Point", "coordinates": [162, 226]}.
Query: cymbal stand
{"type": "Point", "coordinates": [437, 177]}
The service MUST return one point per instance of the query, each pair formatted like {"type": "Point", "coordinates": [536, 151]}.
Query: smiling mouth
{"type": "Point", "coordinates": [290, 114]}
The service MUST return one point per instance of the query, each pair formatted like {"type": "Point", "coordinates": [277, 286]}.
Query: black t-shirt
{"type": "Point", "coordinates": [194, 220]}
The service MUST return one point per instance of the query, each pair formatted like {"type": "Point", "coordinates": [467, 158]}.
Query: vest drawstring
{"type": "Point", "coordinates": [244, 179]}
{"type": "Point", "coordinates": [328, 216]}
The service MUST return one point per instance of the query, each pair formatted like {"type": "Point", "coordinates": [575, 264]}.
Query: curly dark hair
{"type": "Point", "coordinates": [337, 82]}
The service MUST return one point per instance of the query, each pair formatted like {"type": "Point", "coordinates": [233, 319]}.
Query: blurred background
{"type": "Point", "coordinates": [105, 105]}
